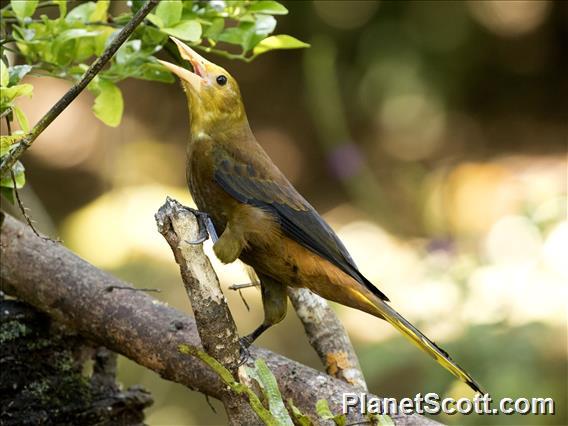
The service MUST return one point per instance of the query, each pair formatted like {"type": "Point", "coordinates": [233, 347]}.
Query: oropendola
{"type": "Point", "coordinates": [262, 219]}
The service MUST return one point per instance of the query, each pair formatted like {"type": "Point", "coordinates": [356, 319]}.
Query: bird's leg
{"type": "Point", "coordinates": [230, 244]}
{"type": "Point", "coordinates": [206, 227]}
{"type": "Point", "coordinates": [274, 301]}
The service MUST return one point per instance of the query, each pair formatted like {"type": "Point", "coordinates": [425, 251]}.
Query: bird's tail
{"type": "Point", "coordinates": [420, 340]}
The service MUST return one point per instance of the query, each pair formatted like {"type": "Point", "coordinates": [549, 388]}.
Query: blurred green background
{"type": "Point", "coordinates": [431, 135]}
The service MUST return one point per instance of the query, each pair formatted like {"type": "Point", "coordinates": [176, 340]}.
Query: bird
{"type": "Point", "coordinates": [262, 219]}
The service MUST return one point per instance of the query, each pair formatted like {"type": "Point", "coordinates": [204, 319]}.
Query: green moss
{"type": "Point", "coordinates": [12, 330]}
{"type": "Point", "coordinates": [39, 390]}
{"type": "Point", "coordinates": [65, 362]}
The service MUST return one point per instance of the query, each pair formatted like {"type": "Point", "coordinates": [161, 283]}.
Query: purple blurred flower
{"type": "Point", "coordinates": [345, 160]}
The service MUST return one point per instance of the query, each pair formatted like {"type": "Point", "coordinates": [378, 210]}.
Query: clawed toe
{"type": "Point", "coordinates": [245, 355]}
{"type": "Point", "coordinates": [201, 237]}
{"type": "Point", "coordinates": [206, 228]}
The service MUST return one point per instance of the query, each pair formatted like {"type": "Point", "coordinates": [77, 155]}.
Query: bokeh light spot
{"type": "Point", "coordinates": [345, 14]}
{"type": "Point", "coordinates": [511, 18]}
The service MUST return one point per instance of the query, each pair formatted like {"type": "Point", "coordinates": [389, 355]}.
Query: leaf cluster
{"type": "Point", "coordinates": [63, 47]}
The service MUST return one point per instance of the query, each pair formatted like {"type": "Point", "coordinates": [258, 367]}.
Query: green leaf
{"type": "Point", "coordinates": [82, 12]}
{"type": "Point", "coordinates": [264, 24]}
{"type": "Point", "coordinates": [241, 35]}
{"type": "Point", "coordinates": [21, 118]}
{"type": "Point", "coordinates": [383, 420]}
{"type": "Point", "coordinates": [235, 35]}
{"type": "Point", "coordinates": [62, 4]}
{"type": "Point", "coordinates": [100, 42]}
{"type": "Point", "coordinates": [100, 12]}
{"type": "Point", "coordinates": [6, 142]}
{"type": "Point", "coordinates": [267, 381]}
{"type": "Point", "coordinates": [268, 7]}
{"type": "Point", "coordinates": [300, 418]}
{"type": "Point", "coordinates": [215, 28]}
{"type": "Point", "coordinates": [135, 5]}
{"type": "Point", "coordinates": [74, 34]}
{"type": "Point", "coordinates": [153, 36]}
{"type": "Point", "coordinates": [154, 72]}
{"type": "Point", "coordinates": [281, 41]}
{"type": "Point", "coordinates": [221, 371]}
{"type": "Point", "coordinates": [247, 17]}
{"type": "Point", "coordinates": [73, 45]}
{"type": "Point", "coordinates": [19, 177]}
{"type": "Point", "coordinates": [8, 94]}
{"type": "Point", "coordinates": [18, 90]}
{"type": "Point", "coordinates": [18, 72]}
{"type": "Point", "coordinates": [155, 19]}
{"type": "Point", "coordinates": [122, 18]}
{"type": "Point", "coordinates": [322, 410]}
{"type": "Point", "coordinates": [8, 193]}
{"type": "Point", "coordinates": [265, 416]}
{"type": "Point", "coordinates": [187, 30]}
{"type": "Point", "coordinates": [169, 12]}
{"type": "Point", "coordinates": [4, 75]}
{"type": "Point", "coordinates": [340, 420]}
{"type": "Point", "coordinates": [23, 9]}
{"type": "Point", "coordinates": [128, 51]}
{"type": "Point", "coordinates": [109, 104]}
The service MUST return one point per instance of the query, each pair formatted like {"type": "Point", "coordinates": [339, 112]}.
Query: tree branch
{"type": "Point", "coordinates": [328, 337]}
{"type": "Point", "coordinates": [54, 280]}
{"type": "Point", "coordinates": [215, 324]}
{"type": "Point", "coordinates": [77, 88]}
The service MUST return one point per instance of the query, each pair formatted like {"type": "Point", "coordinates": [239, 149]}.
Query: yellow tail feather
{"type": "Point", "coordinates": [415, 336]}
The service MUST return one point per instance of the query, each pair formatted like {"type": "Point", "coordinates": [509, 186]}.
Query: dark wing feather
{"type": "Point", "coordinates": [298, 219]}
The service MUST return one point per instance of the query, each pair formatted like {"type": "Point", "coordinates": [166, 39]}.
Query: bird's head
{"type": "Point", "coordinates": [213, 94]}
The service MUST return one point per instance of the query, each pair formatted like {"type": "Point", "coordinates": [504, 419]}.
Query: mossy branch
{"type": "Point", "coordinates": [141, 328]}
{"type": "Point", "coordinates": [227, 378]}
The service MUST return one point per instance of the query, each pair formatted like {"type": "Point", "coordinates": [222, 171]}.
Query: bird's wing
{"type": "Point", "coordinates": [251, 184]}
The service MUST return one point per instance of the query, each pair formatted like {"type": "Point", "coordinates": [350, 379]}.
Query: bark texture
{"type": "Point", "coordinates": [215, 324]}
{"type": "Point", "coordinates": [75, 293]}
{"type": "Point", "coordinates": [43, 378]}
{"type": "Point", "coordinates": [328, 337]}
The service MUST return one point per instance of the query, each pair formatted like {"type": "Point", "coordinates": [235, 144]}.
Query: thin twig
{"type": "Point", "coordinates": [210, 404]}
{"type": "Point", "coordinates": [21, 205]}
{"type": "Point", "coordinates": [15, 187]}
{"type": "Point", "coordinates": [74, 91]}
{"type": "Point", "coordinates": [224, 53]}
{"type": "Point", "coordinates": [241, 286]}
{"type": "Point", "coordinates": [244, 300]}
{"type": "Point", "coordinates": [6, 113]}
{"type": "Point", "coordinates": [118, 287]}
{"type": "Point", "coordinates": [17, 194]}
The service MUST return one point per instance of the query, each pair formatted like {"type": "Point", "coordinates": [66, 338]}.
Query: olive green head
{"type": "Point", "coordinates": [213, 95]}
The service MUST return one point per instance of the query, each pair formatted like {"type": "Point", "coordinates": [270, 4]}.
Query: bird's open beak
{"type": "Point", "coordinates": [195, 78]}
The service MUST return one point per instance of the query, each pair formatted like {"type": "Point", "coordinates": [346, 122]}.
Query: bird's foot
{"type": "Point", "coordinates": [245, 355]}
{"type": "Point", "coordinates": [206, 227]}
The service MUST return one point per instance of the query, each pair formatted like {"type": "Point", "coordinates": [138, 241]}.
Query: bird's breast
{"type": "Point", "coordinates": [206, 193]}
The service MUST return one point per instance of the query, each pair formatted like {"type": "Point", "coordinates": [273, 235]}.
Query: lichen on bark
{"type": "Point", "coordinates": [44, 377]}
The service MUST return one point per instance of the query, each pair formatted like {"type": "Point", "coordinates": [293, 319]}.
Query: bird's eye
{"type": "Point", "coordinates": [221, 80]}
